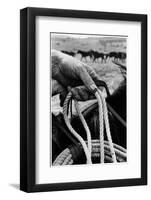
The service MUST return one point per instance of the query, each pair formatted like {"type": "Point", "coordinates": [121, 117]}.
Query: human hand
{"type": "Point", "coordinates": [69, 71]}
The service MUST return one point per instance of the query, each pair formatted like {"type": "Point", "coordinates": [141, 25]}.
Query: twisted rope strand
{"type": "Point", "coordinates": [107, 126]}
{"type": "Point", "coordinates": [60, 158]}
{"type": "Point", "coordinates": [66, 154]}
{"type": "Point", "coordinates": [101, 127]}
{"type": "Point", "coordinates": [103, 113]}
{"type": "Point", "coordinates": [88, 157]}
{"type": "Point", "coordinates": [122, 149]}
{"type": "Point", "coordinates": [84, 125]}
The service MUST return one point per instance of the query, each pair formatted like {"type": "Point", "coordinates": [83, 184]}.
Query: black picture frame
{"type": "Point", "coordinates": [28, 98]}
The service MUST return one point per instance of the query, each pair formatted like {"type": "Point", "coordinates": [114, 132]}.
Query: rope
{"type": "Point", "coordinates": [60, 158]}
{"type": "Point", "coordinates": [103, 113]}
{"type": "Point", "coordinates": [101, 127]}
{"type": "Point", "coordinates": [84, 125]}
{"type": "Point", "coordinates": [107, 126]}
{"type": "Point", "coordinates": [80, 139]}
{"type": "Point", "coordinates": [67, 158]}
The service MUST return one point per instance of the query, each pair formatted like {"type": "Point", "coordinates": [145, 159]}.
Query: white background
{"type": "Point", "coordinates": [9, 100]}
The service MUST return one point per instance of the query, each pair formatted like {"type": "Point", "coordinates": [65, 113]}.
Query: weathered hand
{"type": "Point", "coordinates": [69, 71]}
{"type": "Point", "coordinates": [81, 93]}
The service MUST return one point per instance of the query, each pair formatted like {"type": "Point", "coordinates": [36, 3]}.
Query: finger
{"type": "Point", "coordinates": [86, 79]}
{"type": "Point", "coordinates": [75, 94]}
{"type": "Point", "coordinates": [97, 80]}
{"type": "Point", "coordinates": [81, 93]}
{"type": "Point", "coordinates": [85, 94]}
{"type": "Point", "coordinates": [92, 73]}
{"type": "Point", "coordinates": [103, 84]}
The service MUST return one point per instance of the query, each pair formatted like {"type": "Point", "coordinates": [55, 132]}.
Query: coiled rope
{"type": "Point", "coordinates": [65, 157]}
{"type": "Point", "coordinates": [103, 117]}
{"type": "Point", "coordinates": [79, 138]}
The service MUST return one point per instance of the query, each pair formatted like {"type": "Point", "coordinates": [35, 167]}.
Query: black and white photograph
{"type": "Point", "coordinates": [88, 82]}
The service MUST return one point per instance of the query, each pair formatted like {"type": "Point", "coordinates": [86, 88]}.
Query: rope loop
{"type": "Point", "coordinates": [103, 121]}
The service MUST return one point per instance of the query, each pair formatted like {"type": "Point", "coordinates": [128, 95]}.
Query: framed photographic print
{"type": "Point", "coordinates": [83, 99]}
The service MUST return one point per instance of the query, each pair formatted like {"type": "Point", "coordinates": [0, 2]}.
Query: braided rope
{"type": "Point", "coordinates": [95, 142]}
{"type": "Point", "coordinates": [65, 158]}
{"type": "Point", "coordinates": [86, 150]}
{"type": "Point", "coordinates": [101, 127]}
{"type": "Point", "coordinates": [84, 125]}
{"type": "Point", "coordinates": [102, 113]}
{"type": "Point", "coordinates": [60, 158]}
{"type": "Point", "coordinates": [107, 126]}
